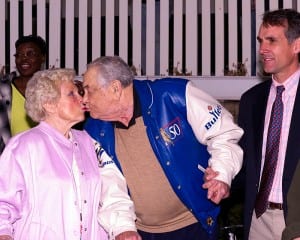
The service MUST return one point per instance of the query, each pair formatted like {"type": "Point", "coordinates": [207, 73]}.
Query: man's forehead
{"type": "Point", "coordinates": [272, 28]}
{"type": "Point", "coordinates": [90, 76]}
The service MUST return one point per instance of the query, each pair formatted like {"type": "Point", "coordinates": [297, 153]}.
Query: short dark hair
{"type": "Point", "coordinates": [37, 40]}
{"type": "Point", "coordinates": [287, 18]}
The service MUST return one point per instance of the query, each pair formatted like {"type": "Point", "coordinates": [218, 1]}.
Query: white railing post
{"type": "Point", "coordinates": [164, 37]}
{"type": "Point", "coordinates": [14, 28]}
{"type": "Point", "coordinates": [110, 28]}
{"type": "Point", "coordinates": [137, 35]}
{"type": "Point", "coordinates": [206, 38]}
{"type": "Point", "coordinates": [54, 33]}
{"type": "Point", "coordinates": [96, 28]}
{"type": "Point", "coordinates": [123, 30]}
{"type": "Point", "coordinates": [3, 43]}
{"type": "Point", "coordinates": [82, 36]}
{"type": "Point", "coordinates": [233, 33]}
{"type": "Point", "coordinates": [219, 37]}
{"type": "Point", "coordinates": [191, 36]}
{"type": "Point", "coordinates": [27, 19]}
{"type": "Point", "coordinates": [246, 34]}
{"type": "Point", "coordinates": [70, 31]}
{"type": "Point", "coordinates": [41, 18]}
{"type": "Point", "coordinates": [150, 37]}
{"type": "Point", "coordinates": [177, 34]}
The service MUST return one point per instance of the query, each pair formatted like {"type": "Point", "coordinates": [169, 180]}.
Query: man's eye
{"type": "Point", "coordinates": [71, 94]}
{"type": "Point", "coordinates": [272, 40]}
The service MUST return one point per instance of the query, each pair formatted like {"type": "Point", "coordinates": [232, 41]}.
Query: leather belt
{"type": "Point", "coordinates": [272, 206]}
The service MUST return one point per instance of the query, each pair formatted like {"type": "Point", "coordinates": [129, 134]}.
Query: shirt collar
{"type": "Point", "coordinates": [290, 85]}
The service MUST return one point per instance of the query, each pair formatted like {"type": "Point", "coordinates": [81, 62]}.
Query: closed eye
{"type": "Point", "coordinates": [71, 94]}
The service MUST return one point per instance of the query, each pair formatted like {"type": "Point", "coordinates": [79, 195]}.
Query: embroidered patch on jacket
{"type": "Point", "coordinates": [215, 115]}
{"type": "Point", "coordinates": [102, 156]}
{"type": "Point", "coordinates": [171, 132]}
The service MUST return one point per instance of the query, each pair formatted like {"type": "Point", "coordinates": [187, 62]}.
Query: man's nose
{"type": "Point", "coordinates": [85, 98]}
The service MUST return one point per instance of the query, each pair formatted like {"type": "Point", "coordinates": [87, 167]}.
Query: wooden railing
{"type": "Point", "coordinates": [158, 38]}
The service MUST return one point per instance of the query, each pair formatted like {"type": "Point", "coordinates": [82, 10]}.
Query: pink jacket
{"type": "Point", "coordinates": [38, 195]}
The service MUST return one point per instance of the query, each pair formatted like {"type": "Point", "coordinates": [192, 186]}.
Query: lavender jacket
{"type": "Point", "coordinates": [38, 195]}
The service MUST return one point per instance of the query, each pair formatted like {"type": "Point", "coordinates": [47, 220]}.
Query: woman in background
{"type": "Point", "coordinates": [30, 56]}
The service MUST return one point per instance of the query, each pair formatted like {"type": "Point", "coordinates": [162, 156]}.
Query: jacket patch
{"type": "Point", "coordinates": [171, 132]}
{"type": "Point", "coordinates": [102, 156]}
{"type": "Point", "coordinates": [215, 115]}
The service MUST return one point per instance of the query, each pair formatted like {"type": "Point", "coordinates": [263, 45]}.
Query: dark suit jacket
{"type": "Point", "coordinates": [251, 118]}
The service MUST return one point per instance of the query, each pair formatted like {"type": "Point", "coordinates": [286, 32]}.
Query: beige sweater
{"type": "Point", "coordinates": [158, 209]}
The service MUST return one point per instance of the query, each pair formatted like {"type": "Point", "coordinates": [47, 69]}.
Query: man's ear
{"type": "Point", "coordinates": [297, 45]}
{"type": "Point", "coordinates": [116, 88]}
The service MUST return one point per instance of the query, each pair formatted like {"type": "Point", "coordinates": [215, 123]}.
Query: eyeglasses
{"type": "Point", "coordinates": [29, 54]}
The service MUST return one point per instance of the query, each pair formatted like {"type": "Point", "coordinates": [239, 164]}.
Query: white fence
{"type": "Point", "coordinates": [167, 37]}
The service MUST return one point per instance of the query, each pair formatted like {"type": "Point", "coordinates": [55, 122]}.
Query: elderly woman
{"type": "Point", "coordinates": [50, 183]}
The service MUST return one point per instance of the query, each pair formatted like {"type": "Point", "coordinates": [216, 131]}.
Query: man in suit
{"type": "Point", "coordinates": [279, 40]}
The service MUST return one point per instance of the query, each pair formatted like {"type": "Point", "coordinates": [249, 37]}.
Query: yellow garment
{"type": "Point", "coordinates": [19, 121]}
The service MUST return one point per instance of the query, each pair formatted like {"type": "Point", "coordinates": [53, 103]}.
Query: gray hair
{"type": "Point", "coordinates": [111, 68]}
{"type": "Point", "coordinates": [44, 87]}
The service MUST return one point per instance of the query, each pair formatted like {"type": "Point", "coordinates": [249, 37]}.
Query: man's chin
{"type": "Point", "coordinates": [93, 115]}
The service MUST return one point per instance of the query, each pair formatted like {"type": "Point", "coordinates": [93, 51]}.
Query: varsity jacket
{"type": "Point", "coordinates": [188, 130]}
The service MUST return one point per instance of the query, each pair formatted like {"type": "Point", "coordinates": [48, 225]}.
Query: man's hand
{"type": "Point", "coordinates": [216, 190]}
{"type": "Point", "coordinates": [129, 235]}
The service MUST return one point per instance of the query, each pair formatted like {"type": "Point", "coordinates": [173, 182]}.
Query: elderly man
{"type": "Point", "coordinates": [176, 146]}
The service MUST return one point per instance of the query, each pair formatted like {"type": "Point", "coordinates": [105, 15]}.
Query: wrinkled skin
{"type": "Point", "coordinates": [216, 190]}
{"type": "Point", "coordinates": [128, 235]}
